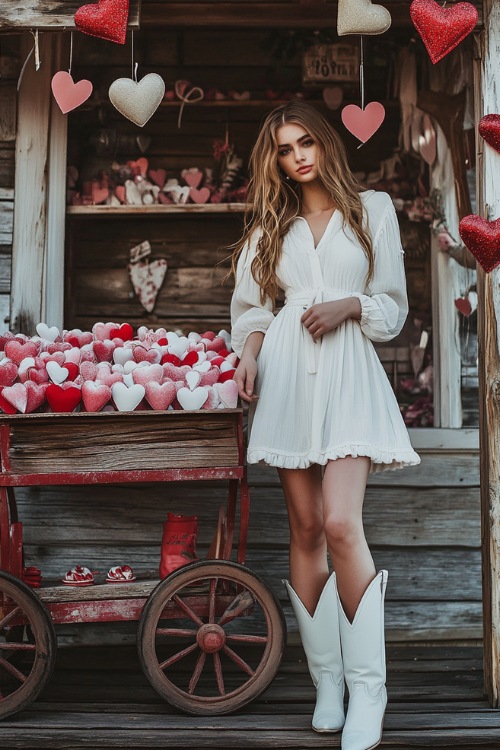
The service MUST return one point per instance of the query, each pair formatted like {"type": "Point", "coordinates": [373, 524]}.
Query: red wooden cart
{"type": "Point", "coordinates": [211, 634]}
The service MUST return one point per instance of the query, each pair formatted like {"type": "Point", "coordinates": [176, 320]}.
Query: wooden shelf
{"type": "Point", "coordinates": [157, 209]}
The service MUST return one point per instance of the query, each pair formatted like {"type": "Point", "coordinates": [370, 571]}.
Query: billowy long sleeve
{"type": "Point", "coordinates": [248, 314]}
{"type": "Point", "coordinates": [385, 307]}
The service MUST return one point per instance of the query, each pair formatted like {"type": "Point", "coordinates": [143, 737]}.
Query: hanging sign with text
{"type": "Point", "coordinates": [325, 63]}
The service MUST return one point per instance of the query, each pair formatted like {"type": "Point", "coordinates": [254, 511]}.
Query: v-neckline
{"type": "Point", "coordinates": [334, 213]}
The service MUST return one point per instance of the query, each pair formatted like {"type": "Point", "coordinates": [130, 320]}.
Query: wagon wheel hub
{"type": "Point", "coordinates": [211, 637]}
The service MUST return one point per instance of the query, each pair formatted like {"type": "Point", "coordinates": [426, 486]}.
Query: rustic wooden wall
{"type": "Point", "coordinates": [9, 70]}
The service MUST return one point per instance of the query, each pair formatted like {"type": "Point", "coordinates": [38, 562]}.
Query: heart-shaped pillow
{"type": "Point", "coordinates": [137, 101]}
{"type": "Point", "coordinates": [483, 240]}
{"type": "Point", "coordinates": [442, 29]}
{"type": "Point", "coordinates": [489, 129]}
{"type": "Point", "coordinates": [106, 20]}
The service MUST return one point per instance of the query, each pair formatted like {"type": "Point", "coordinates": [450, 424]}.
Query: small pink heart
{"type": "Point", "coordinates": [332, 96]}
{"type": "Point", "coordinates": [160, 396]}
{"type": "Point", "coordinates": [165, 199]}
{"type": "Point", "coordinates": [68, 94]}
{"type": "Point", "coordinates": [158, 176]}
{"type": "Point", "coordinates": [213, 400]}
{"type": "Point", "coordinates": [102, 331]}
{"type": "Point", "coordinates": [363, 123]}
{"type": "Point", "coordinates": [148, 374]}
{"type": "Point", "coordinates": [210, 377]}
{"type": "Point", "coordinates": [199, 196]}
{"type": "Point", "coordinates": [228, 393]}
{"type": "Point", "coordinates": [88, 370]}
{"type": "Point", "coordinates": [35, 393]}
{"type": "Point", "coordinates": [192, 177]}
{"type": "Point", "coordinates": [95, 395]}
{"type": "Point", "coordinates": [103, 350]}
{"type": "Point", "coordinates": [8, 373]}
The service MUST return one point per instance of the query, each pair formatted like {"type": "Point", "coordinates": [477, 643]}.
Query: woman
{"type": "Point", "coordinates": [325, 414]}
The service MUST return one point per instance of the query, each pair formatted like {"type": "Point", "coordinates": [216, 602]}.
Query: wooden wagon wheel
{"type": "Point", "coordinates": [211, 637]}
{"type": "Point", "coordinates": [27, 645]}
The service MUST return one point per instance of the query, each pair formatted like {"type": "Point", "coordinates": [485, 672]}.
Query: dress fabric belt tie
{"type": "Point", "coordinates": [305, 298]}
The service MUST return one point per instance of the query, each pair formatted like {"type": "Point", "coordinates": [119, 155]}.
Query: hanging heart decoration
{"type": "Point", "coordinates": [482, 238]}
{"type": "Point", "coordinates": [442, 29]}
{"type": "Point", "coordinates": [463, 306]}
{"type": "Point", "coordinates": [332, 96]}
{"type": "Point", "coordinates": [68, 94]}
{"type": "Point", "coordinates": [106, 20]}
{"type": "Point", "coordinates": [361, 17]}
{"type": "Point", "coordinates": [489, 129]}
{"type": "Point", "coordinates": [147, 279]}
{"type": "Point", "coordinates": [363, 123]}
{"type": "Point", "coordinates": [427, 141]}
{"type": "Point", "coordinates": [137, 101]}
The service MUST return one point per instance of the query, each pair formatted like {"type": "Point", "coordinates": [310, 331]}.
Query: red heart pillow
{"type": "Point", "coordinates": [107, 20]}
{"type": "Point", "coordinates": [483, 240]}
{"type": "Point", "coordinates": [442, 29]}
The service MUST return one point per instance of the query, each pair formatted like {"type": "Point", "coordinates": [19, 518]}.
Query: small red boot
{"type": "Point", "coordinates": [178, 545]}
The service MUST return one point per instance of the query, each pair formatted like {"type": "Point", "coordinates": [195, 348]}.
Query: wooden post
{"type": "Point", "coordinates": [29, 235]}
{"type": "Point", "coordinates": [488, 285]}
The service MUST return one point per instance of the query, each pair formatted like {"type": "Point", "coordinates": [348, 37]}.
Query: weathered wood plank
{"type": "Point", "coordinates": [50, 14]}
{"type": "Point", "coordinates": [6, 221]}
{"type": "Point", "coordinates": [489, 364]}
{"type": "Point", "coordinates": [8, 111]}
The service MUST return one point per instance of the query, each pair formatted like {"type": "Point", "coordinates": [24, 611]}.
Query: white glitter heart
{"type": "Point", "coordinates": [137, 101]}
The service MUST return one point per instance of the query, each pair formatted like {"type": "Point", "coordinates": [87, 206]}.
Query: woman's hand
{"type": "Point", "coordinates": [326, 316]}
{"type": "Point", "coordinates": [245, 375]}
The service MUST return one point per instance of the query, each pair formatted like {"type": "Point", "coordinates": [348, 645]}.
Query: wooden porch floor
{"type": "Point", "coordinates": [99, 698]}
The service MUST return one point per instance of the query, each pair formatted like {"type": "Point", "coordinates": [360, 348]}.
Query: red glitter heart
{"type": "Point", "coordinates": [489, 129]}
{"type": "Point", "coordinates": [107, 20]}
{"type": "Point", "coordinates": [483, 240]}
{"type": "Point", "coordinates": [442, 29]}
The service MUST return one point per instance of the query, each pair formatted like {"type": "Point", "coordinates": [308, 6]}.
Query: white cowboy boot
{"type": "Point", "coordinates": [363, 651]}
{"type": "Point", "coordinates": [361, 17]}
{"type": "Point", "coordinates": [321, 641]}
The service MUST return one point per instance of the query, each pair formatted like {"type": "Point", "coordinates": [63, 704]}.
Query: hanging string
{"type": "Point", "coordinates": [362, 73]}
{"type": "Point", "coordinates": [70, 52]}
{"type": "Point", "coordinates": [188, 94]}
{"type": "Point", "coordinates": [134, 72]}
{"type": "Point", "coordinates": [34, 50]}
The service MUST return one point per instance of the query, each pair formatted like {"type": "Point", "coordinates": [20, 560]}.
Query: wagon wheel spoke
{"type": "Point", "coordinates": [241, 663]}
{"type": "Point", "coordinates": [239, 604]}
{"type": "Point", "coordinates": [180, 632]}
{"type": "Point", "coordinates": [9, 617]}
{"type": "Point", "coordinates": [197, 672]}
{"type": "Point", "coordinates": [247, 638]}
{"type": "Point", "coordinates": [218, 674]}
{"type": "Point", "coordinates": [177, 657]}
{"type": "Point", "coordinates": [211, 600]}
{"type": "Point", "coordinates": [187, 609]}
{"type": "Point", "coordinates": [18, 646]}
{"type": "Point", "coordinates": [13, 670]}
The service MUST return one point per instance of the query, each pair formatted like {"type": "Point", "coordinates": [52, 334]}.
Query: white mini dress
{"type": "Point", "coordinates": [330, 399]}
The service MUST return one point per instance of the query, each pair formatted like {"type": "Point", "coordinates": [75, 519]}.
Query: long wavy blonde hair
{"type": "Point", "coordinates": [274, 202]}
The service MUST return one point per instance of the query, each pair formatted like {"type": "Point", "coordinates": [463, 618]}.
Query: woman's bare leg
{"type": "Point", "coordinates": [308, 552]}
{"type": "Point", "coordinates": [344, 484]}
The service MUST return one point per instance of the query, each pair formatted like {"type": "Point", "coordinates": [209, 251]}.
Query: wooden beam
{"type": "Point", "coordinates": [291, 14]}
{"type": "Point", "coordinates": [50, 14]}
{"type": "Point", "coordinates": [488, 287]}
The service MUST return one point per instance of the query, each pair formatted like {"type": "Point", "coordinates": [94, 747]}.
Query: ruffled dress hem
{"type": "Point", "coordinates": [381, 460]}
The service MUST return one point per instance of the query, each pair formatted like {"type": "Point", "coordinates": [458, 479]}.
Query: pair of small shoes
{"type": "Point", "coordinates": [82, 576]}
{"type": "Point", "coordinates": [120, 574]}
{"type": "Point", "coordinates": [79, 576]}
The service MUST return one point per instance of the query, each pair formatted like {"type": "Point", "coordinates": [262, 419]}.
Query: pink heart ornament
{"type": "Point", "coordinates": [201, 195]}
{"type": "Point", "coordinates": [68, 94]}
{"type": "Point", "coordinates": [17, 396]}
{"type": "Point", "coordinates": [213, 400]}
{"type": "Point", "coordinates": [333, 96]}
{"type": "Point", "coordinates": [427, 141]}
{"type": "Point", "coordinates": [148, 374]}
{"type": "Point", "coordinates": [192, 177]}
{"type": "Point", "coordinates": [363, 123]}
{"type": "Point", "coordinates": [228, 393]}
{"type": "Point", "coordinates": [95, 395]}
{"type": "Point", "coordinates": [160, 396]}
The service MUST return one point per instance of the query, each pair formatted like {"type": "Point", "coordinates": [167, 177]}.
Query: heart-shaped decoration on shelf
{"type": "Point", "coordinates": [95, 395]}
{"type": "Point", "coordinates": [99, 194]}
{"type": "Point", "coordinates": [482, 238]}
{"type": "Point", "coordinates": [361, 17]}
{"type": "Point", "coordinates": [363, 123]}
{"type": "Point", "coordinates": [147, 279]}
{"type": "Point", "coordinates": [192, 176]}
{"type": "Point", "coordinates": [489, 129]}
{"type": "Point", "coordinates": [201, 195]}
{"type": "Point", "coordinates": [158, 176]}
{"type": "Point", "coordinates": [137, 101]}
{"type": "Point", "coordinates": [333, 96]}
{"type": "Point", "coordinates": [68, 94]}
{"type": "Point", "coordinates": [442, 29]}
{"type": "Point", "coordinates": [160, 396]}
{"type": "Point", "coordinates": [106, 20]}
{"type": "Point", "coordinates": [464, 306]}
